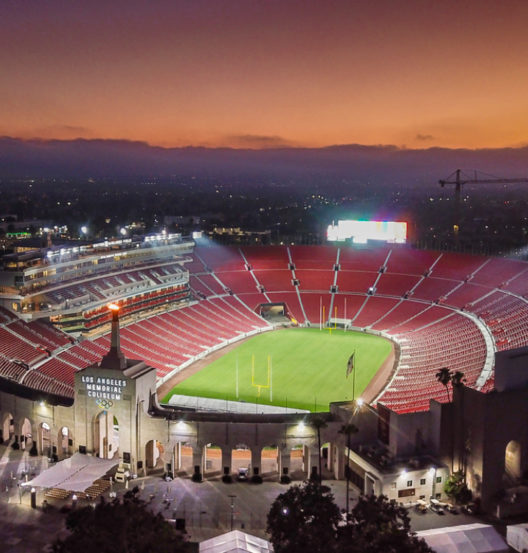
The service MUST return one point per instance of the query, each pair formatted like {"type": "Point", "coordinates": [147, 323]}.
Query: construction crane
{"type": "Point", "coordinates": [458, 178]}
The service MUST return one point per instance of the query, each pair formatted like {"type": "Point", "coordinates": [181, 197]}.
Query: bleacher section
{"type": "Point", "coordinates": [314, 257]}
{"type": "Point", "coordinates": [433, 289]}
{"type": "Point", "coordinates": [275, 280]}
{"type": "Point", "coordinates": [426, 301]}
{"type": "Point", "coordinates": [271, 257]}
{"type": "Point", "coordinates": [454, 342]}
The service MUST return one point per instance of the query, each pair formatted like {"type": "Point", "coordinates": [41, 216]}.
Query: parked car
{"type": "Point", "coordinates": [468, 509]}
{"type": "Point", "coordinates": [436, 507]}
{"type": "Point", "coordinates": [421, 506]}
{"type": "Point", "coordinates": [450, 508]}
{"type": "Point", "coordinates": [243, 474]}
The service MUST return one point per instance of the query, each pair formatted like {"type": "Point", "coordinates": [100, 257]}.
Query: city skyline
{"type": "Point", "coordinates": [267, 74]}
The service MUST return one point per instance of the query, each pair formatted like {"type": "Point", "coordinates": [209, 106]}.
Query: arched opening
{"type": "Point", "coordinates": [154, 451]}
{"type": "Point", "coordinates": [241, 461]}
{"type": "Point", "coordinates": [326, 465]}
{"type": "Point", "coordinates": [8, 427]}
{"type": "Point", "coordinates": [106, 435]}
{"type": "Point", "coordinates": [26, 436]}
{"type": "Point", "coordinates": [45, 439]}
{"type": "Point", "coordinates": [184, 457]}
{"type": "Point", "coordinates": [512, 462]}
{"type": "Point", "coordinates": [269, 460]}
{"type": "Point", "coordinates": [64, 441]}
{"type": "Point", "coordinates": [213, 460]}
{"type": "Point", "coordinates": [297, 463]}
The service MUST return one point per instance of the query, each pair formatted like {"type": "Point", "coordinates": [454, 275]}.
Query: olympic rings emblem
{"type": "Point", "coordinates": [103, 403]}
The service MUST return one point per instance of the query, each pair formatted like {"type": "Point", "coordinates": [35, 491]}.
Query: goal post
{"type": "Point", "coordinates": [268, 385]}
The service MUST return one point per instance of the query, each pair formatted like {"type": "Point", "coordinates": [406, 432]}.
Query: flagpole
{"type": "Point", "coordinates": [354, 378]}
{"type": "Point", "coordinates": [271, 379]}
{"type": "Point", "coordinates": [237, 375]}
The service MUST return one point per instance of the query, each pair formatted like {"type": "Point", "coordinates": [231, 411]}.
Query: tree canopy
{"type": "Point", "coordinates": [305, 518]}
{"type": "Point", "coordinates": [456, 488]}
{"type": "Point", "coordinates": [379, 525]}
{"type": "Point", "coordinates": [125, 526]}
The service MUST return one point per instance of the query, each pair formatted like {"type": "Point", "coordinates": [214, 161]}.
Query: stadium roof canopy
{"type": "Point", "coordinates": [468, 538]}
{"type": "Point", "coordinates": [236, 542]}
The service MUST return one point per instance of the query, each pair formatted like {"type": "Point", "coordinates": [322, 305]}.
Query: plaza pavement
{"type": "Point", "coordinates": [206, 506]}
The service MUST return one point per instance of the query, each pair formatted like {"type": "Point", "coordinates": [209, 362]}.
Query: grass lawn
{"type": "Point", "coordinates": [303, 368]}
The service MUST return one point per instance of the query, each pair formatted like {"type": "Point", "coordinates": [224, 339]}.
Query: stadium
{"type": "Point", "coordinates": [375, 321]}
{"type": "Point", "coordinates": [438, 309]}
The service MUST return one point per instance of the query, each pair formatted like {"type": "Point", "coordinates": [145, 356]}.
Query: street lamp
{"type": "Point", "coordinates": [232, 497]}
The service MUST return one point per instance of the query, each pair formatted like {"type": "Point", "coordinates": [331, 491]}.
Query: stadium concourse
{"type": "Point", "coordinates": [440, 309]}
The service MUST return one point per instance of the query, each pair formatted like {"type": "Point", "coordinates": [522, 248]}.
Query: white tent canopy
{"type": "Point", "coordinates": [74, 474]}
{"type": "Point", "coordinates": [236, 542]}
{"type": "Point", "coordinates": [468, 538]}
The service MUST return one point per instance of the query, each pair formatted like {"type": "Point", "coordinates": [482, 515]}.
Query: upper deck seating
{"type": "Point", "coordinates": [314, 280]}
{"type": "Point", "coordinates": [313, 257]}
{"type": "Point", "coordinates": [270, 257]}
{"type": "Point", "coordinates": [497, 271]}
{"type": "Point", "coordinates": [392, 284]}
{"type": "Point", "coordinates": [432, 289]}
{"type": "Point", "coordinates": [241, 281]}
{"type": "Point", "coordinates": [220, 258]}
{"type": "Point", "coordinates": [410, 262]}
{"type": "Point", "coordinates": [356, 281]}
{"type": "Point", "coordinates": [352, 259]}
{"type": "Point", "coordinates": [457, 266]}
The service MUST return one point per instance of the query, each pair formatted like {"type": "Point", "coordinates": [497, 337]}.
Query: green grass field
{"type": "Point", "coordinates": [306, 367]}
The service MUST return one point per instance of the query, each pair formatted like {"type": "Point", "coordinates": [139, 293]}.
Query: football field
{"type": "Point", "coordinates": [302, 368]}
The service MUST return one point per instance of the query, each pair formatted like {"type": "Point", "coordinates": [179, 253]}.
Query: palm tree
{"type": "Point", "coordinates": [348, 430]}
{"type": "Point", "coordinates": [318, 423]}
{"type": "Point", "coordinates": [457, 379]}
{"type": "Point", "coordinates": [444, 377]}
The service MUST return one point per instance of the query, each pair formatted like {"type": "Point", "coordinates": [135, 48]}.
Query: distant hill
{"type": "Point", "coordinates": [377, 164]}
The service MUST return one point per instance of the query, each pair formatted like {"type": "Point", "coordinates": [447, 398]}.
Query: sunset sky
{"type": "Point", "coordinates": [248, 73]}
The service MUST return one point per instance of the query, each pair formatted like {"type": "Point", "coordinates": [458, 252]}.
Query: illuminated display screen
{"type": "Point", "coordinates": [359, 232]}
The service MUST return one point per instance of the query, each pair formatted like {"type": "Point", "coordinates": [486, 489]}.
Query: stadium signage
{"type": "Point", "coordinates": [100, 387]}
